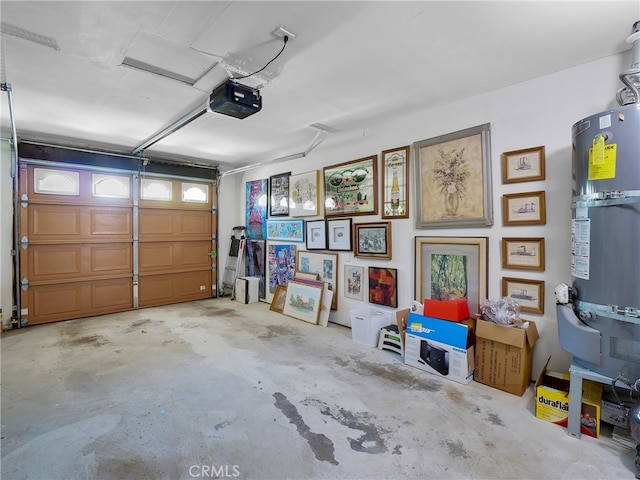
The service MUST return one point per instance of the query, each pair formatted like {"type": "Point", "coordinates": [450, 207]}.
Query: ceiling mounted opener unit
{"type": "Point", "coordinates": [235, 100]}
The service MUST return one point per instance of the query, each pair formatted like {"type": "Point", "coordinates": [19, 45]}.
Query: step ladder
{"type": "Point", "coordinates": [232, 269]}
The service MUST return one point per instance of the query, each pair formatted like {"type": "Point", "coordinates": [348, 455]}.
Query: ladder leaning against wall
{"type": "Point", "coordinates": [232, 269]}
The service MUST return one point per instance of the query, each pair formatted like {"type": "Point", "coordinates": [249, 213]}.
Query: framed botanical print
{"type": "Point", "coordinates": [279, 195]}
{"type": "Point", "coordinates": [351, 188]}
{"type": "Point", "coordinates": [395, 183]}
{"type": "Point", "coordinates": [453, 180]}
{"type": "Point", "coordinates": [339, 234]}
{"type": "Point", "coordinates": [449, 268]}
{"type": "Point", "coordinates": [524, 165]}
{"type": "Point", "coordinates": [373, 240]}
{"type": "Point", "coordinates": [303, 194]}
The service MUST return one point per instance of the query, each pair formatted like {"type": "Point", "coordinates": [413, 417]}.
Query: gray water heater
{"type": "Point", "coordinates": [601, 328]}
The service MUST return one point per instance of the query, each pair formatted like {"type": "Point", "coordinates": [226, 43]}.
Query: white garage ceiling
{"type": "Point", "coordinates": [111, 75]}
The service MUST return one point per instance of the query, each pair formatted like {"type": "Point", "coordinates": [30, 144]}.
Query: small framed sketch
{"type": "Point", "coordinates": [525, 165]}
{"type": "Point", "coordinates": [303, 194]}
{"type": "Point", "coordinates": [277, 302]}
{"type": "Point", "coordinates": [395, 183]}
{"type": "Point", "coordinates": [290, 230]}
{"type": "Point", "coordinates": [354, 282]}
{"type": "Point", "coordinates": [528, 293]}
{"type": "Point", "coordinates": [523, 253]}
{"type": "Point", "coordinates": [373, 240]}
{"type": "Point", "coordinates": [279, 195]}
{"type": "Point", "coordinates": [383, 286]}
{"type": "Point", "coordinates": [339, 234]}
{"type": "Point", "coordinates": [524, 208]}
{"type": "Point", "coordinates": [316, 235]}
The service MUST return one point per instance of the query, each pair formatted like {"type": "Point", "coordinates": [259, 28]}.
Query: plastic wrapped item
{"type": "Point", "coordinates": [504, 311]}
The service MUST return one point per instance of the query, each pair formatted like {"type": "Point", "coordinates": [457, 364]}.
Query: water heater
{"type": "Point", "coordinates": [601, 327]}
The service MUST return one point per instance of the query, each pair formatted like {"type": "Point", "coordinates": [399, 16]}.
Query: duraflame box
{"type": "Point", "coordinates": [440, 347]}
{"type": "Point", "coordinates": [453, 310]}
{"type": "Point", "coordinates": [552, 401]}
{"type": "Point", "coordinates": [503, 356]}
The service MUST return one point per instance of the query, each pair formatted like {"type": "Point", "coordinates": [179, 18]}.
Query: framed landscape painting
{"type": "Point", "coordinates": [325, 265]}
{"type": "Point", "coordinates": [450, 268]}
{"type": "Point", "coordinates": [303, 302]}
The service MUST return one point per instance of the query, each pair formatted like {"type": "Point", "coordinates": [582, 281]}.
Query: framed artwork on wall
{"type": "Point", "coordinates": [325, 265]}
{"type": "Point", "coordinates": [351, 188]}
{"type": "Point", "coordinates": [372, 240]}
{"type": "Point", "coordinates": [256, 209]}
{"type": "Point", "coordinates": [339, 234]}
{"type": "Point", "coordinates": [395, 183]}
{"type": "Point", "coordinates": [526, 208]}
{"type": "Point", "coordinates": [279, 195]}
{"type": "Point", "coordinates": [524, 165]}
{"type": "Point", "coordinates": [303, 194]}
{"type": "Point", "coordinates": [453, 180]}
{"type": "Point", "coordinates": [289, 230]}
{"type": "Point", "coordinates": [523, 253]}
{"type": "Point", "coordinates": [383, 286]}
{"type": "Point", "coordinates": [316, 235]}
{"type": "Point", "coordinates": [528, 293]}
{"type": "Point", "coordinates": [449, 268]}
{"type": "Point", "coordinates": [282, 265]}
{"type": "Point", "coordinates": [354, 282]}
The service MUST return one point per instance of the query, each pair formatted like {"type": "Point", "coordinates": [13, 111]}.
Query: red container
{"type": "Point", "coordinates": [453, 310]}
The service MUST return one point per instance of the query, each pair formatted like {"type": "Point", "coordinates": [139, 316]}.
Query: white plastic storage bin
{"type": "Point", "coordinates": [366, 323]}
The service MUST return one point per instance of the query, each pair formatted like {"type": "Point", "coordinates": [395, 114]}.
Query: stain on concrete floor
{"type": "Point", "coordinates": [320, 444]}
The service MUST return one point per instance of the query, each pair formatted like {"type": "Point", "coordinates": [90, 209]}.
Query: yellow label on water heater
{"type": "Point", "coordinates": [602, 161]}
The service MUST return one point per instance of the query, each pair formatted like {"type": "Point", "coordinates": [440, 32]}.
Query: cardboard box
{"type": "Point", "coordinates": [503, 355]}
{"type": "Point", "coordinates": [440, 347]}
{"type": "Point", "coordinates": [552, 401]}
{"type": "Point", "coordinates": [453, 310]}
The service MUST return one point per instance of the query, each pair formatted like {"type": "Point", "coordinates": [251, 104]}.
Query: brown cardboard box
{"type": "Point", "coordinates": [503, 355]}
{"type": "Point", "coordinates": [402, 317]}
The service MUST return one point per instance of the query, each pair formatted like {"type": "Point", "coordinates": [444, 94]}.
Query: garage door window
{"type": "Point", "coordinates": [195, 192]}
{"type": "Point", "coordinates": [56, 182]}
{"type": "Point", "coordinates": [113, 186]}
{"type": "Point", "coordinates": [156, 190]}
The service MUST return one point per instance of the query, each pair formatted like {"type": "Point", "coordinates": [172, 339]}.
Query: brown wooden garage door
{"type": "Point", "coordinates": [80, 255]}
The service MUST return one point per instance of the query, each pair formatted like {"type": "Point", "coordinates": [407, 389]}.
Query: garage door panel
{"type": "Point", "coordinates": [55, 263]}
{"type": "Point", "coordinates": [111, 295]}
{"type": "Point", "coordinates": [174, 225]}
{"type": "Point", "coordinates": [69, 223]}
{"type": "Point", "coordinates": [173, 288]}
{"type": "Point", "coordinates": [111, 222]}
{"type": "Point", "coordinates": [162, 257]}
{"type": "Point", "coordinates": [50, 303]}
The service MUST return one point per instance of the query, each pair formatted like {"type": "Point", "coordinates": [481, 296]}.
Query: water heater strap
{"type": "Point", "coordinates": [603, 199]}
{"type": "Point", "coordinates": [625, 314]}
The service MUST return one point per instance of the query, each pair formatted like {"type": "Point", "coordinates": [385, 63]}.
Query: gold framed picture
{"type": "Point", "coordinates": [526, 165]}
{"type": "Point", "coordinates": [528, 293]}
{"type": "Point", "coordinates": [526, 208]}
{"type": "Point", "coordinates": [523, 253]}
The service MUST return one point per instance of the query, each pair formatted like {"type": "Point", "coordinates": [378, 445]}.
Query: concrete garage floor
{"type": "Point", "coordinates": [215, 388]}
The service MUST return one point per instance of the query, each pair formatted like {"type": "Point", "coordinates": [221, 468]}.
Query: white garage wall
{"type": "Point", "coordinates": [529, 114]}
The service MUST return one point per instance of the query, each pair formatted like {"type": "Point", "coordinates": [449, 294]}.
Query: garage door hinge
{"type": "Point", "coordinates": [214, 267]}
{"type": "Point", "coordinates": [24, 200]}
{"type": "Point", "coordinates": [214, 238]}
{"type": "Point", "coordinates": [25, 284]}
{"type": "Point", "coordinates": [24, 242]}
